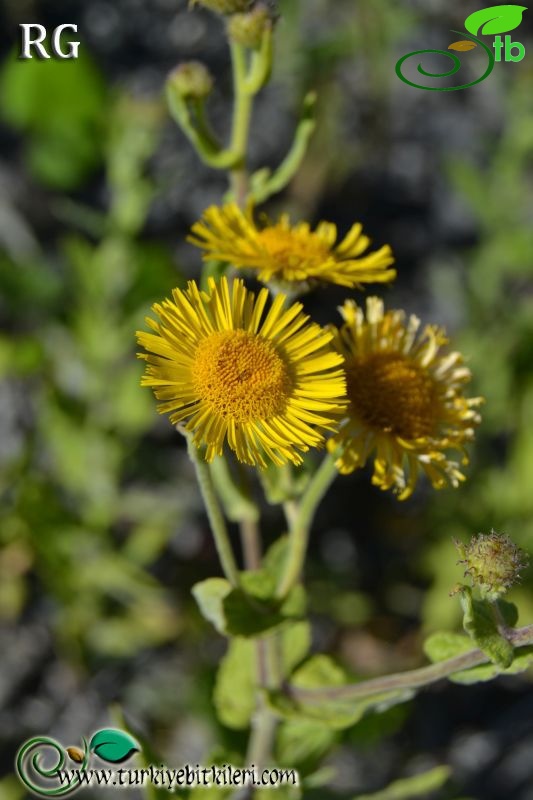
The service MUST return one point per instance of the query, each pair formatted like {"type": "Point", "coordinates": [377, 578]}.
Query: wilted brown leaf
{"type": "Point", "coordinates": [464, 45]}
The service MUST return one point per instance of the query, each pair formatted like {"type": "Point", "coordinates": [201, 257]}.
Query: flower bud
{"type": "Point", "coordinates": [223, 6]}
{"type": "Point", "coordinates": [248, 29]}
{"type": "Point", "coordinates": [492, 562]}
{"type": "Point", "coordinates": [191, 80]}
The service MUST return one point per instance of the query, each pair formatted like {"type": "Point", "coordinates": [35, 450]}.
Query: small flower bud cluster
{"type": "Point", "coordinates": [191, 80]}
{"type": "Point", "coordinates": [248, 29]}
{"type": "Point", "coordinates": [492, 562]}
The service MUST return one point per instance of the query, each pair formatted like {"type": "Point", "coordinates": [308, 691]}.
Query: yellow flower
{"type": "Point", "coordinates": [406, 400]}
{"type": "Point", "coordinates": [287, 255]}
{"type": "Point", "coordinates": [269, 384]}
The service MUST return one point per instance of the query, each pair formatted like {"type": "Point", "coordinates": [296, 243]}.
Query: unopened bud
{"type": "Point", "coordinates": [492, 562]}
{"type": "Point", "coordinates": [248, 29]}
{"type": "Point", "coordinates": [191, 80]}
{"type": "Point", "coordinates": [223, 6]}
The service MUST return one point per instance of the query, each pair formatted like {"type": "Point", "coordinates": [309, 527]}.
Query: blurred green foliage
{"type": "Point", "coordinates": [497, 337]}
{"type": "Point", "coordinates": [63, 139]}
{"type": "Point", "coordinates": [73, 510]}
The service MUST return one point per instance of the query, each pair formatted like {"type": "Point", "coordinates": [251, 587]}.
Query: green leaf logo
{"type": "Point", "coordinates": [496, 19]}
{"type": "Point", "coordinates": [113, 746]}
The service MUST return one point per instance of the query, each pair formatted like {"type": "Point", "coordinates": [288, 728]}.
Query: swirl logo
{"type": "Point", "coordinates": [487, 21]}
{"type": "Point", "coordinates": [55, 779]}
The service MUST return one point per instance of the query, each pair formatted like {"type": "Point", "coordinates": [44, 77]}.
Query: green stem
{"type": "Point", "coordinates": [242, 113]}
{"type": "Point", "coordinates": [214, 514]}
{"type": "Point", "coordinates": [243, 101]}
{"type": "Point", "coordinates": [235, 497]}
{"type": "Point", "coordinates": [251, 543]}
{"type": "Point", "coordinates": [303, 518]}
{"type": "Point", "coordinates": [201, 139]}
{"type": "Point", "coordinates": [203, 127]}
{"type": "Point", "coordinates": [288, 168]}
{"type": "Point", "coordinates": [412, 679]}
{"type": "Point", "coordinates": [261, 64]}
{"type": "Point", "coordinates": [260, 745]}
{"type": "Point", "coordinates": [264, 722]}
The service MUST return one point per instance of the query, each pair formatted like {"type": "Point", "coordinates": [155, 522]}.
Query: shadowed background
{"type": "Point", "coordinates": [101, 529]}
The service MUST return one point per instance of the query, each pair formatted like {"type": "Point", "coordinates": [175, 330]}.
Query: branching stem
{"type": "Point", "coordinates": [302, 519]}
{"type": "Point", "coordinates": [412, 679]}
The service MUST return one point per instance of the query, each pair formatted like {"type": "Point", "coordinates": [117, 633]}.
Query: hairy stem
{"type": "Point", "coordinates": [214, 514]}
{"type": "Point", "coordinates": [264, 723]}
{"type": "Point", "coordinates": [302, 520]}
{"type": "Point", "coordinates": [242, 111]}
{"type": "Point", "coordinates": [412, 679]}
{"type": "Point", "coordinates": [251, 543]}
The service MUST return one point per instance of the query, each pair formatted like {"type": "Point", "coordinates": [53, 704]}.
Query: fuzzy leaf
{"type": "Point", "coordinates": [319, 672]}
{"type": "Point", "coordinates": [487, 672]}
{"type": "Point", "coordinates": [509, 612]}
{"type": "Point", "coordinates": [113, 746]}
{"type": "Point", "coordinates": [210, 595]}
{"type": "Point", "coordinates": [252, 609]}
{"type": "Point", "coordinates": [301, 741]}
{"type": "Point", "coordinates": [234, 694]}
{"type": "Point", "coordinates": [480, 625]}
{"type": "Point", "coordinates": [444, 645]}
{"type": "Point", "coordinates": [416, 786]}
{"type": "Point", "coordinates": [496, 19]}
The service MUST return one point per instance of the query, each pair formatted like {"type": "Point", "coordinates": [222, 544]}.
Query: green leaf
{"type": "Point", "coordinates": [509, 612]}
{"type": "Point", "coordinates": [295, 645]}
{"type": "Point", "coordinates": [276, 556]}
{"type": "Point", "coordinates": [281, 484]}
{"type": "Point", "coordinates": [234, 694]}
{"type": "Point", "coordinates": [486, 672]}
{"type": "Point", "coordinates": [64, 146]}
{"type": "Point", "coordinates": [416, 786]}
{"type": "Point", "coordinates": [321, 671]}
{"type": "Point", "coordinates": [252, 609]}
{"type": "Point", "coordinates": [302, 742]}
{"type": "Point", "coordinates": [249, 610]}
{"type": "Point", "coordinates": [237, 504]}
{"type": "Point", "coordinates": [210, 595]}
{"type": "Point", "coordinates": [479, 623]}
{"type": "Point", "coordinates": [444, 645]}
{"type": "Point", "coordinates": [235, 686]}
{"type": "Point", "coordinates": [113, 746]}
{"type": "Point", "coordinates": [496, 19]}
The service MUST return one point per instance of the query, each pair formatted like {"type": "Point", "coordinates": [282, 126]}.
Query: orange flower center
{"type": "Point", "coordinates": [241, 376]}
{"type": "Point", "coordinates": [291, 249]}
{"type": "Point", "coordinates": [391, 393]}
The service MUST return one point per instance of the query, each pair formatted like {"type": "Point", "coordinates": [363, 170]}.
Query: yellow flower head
{"type": "Point", "coordinates": [406, 402]}
{"type": "Point", "coordinates": [287, 254]}
{"type": "Point", "coordinates": [268, 383]}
